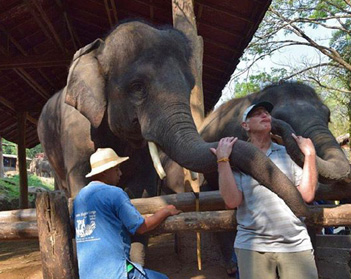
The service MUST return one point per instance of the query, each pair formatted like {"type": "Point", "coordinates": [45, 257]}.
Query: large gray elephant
{"type": "Point", "coordinates": [130, 89]}
{"type": "Point", "coordinates": [297, 108]}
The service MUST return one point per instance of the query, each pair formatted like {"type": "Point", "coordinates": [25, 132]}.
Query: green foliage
{"type": "Point", "coordinates": [9, 186]}
{"type": "Point", "coordinates": [255, 83]}
{"type": "Point", "coordinates": [34, 151]}
{"type": "Point", "coordinates": [9, 147]}
{"type": "Point", "coordinates": [293, 23]}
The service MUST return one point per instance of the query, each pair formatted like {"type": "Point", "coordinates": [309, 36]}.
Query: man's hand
{"type": "Point", "coordinates": [305, 144]}
{"type": "Point", "coordinates": [172, 210]}
{"type": "Point", "coordinates": [224, 148]}
{"type": "Point", "coordinates": [151, 222]}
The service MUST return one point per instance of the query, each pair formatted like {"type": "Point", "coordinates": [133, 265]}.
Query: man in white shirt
{"type": "Point", "coordinates": [270, 237]}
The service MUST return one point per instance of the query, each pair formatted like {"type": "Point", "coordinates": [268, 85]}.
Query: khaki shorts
{"type": "Point", "coordinates": [266, 265]}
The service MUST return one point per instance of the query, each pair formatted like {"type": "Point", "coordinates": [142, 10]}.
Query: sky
{"type": "Point", "coordinates": [293, 55]}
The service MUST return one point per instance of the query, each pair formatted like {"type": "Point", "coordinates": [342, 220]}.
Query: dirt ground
{"type": "Point", "coordinates": [21, 260]}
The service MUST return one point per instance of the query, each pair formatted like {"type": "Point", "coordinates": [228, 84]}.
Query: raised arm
{"type": "Point", "coordinates": [309, 178]}
{"type": "Point", "coordinates": [228, 189]}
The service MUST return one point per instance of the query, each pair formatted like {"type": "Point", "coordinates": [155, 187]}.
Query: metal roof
{"type": "Point", "coordinates": [39, 37]}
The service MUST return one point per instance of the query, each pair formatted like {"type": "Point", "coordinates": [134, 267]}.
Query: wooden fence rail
{"type": "Point", "coordinates": [22, 224]}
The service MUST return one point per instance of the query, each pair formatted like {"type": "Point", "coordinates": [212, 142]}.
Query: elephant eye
{"type": "Point", "coordinates": [136, 86]}
{"type": "Point", "coordinates": [137, 91]}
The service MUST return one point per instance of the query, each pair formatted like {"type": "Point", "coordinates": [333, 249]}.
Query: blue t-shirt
{"type": "Point", "coordinates": [104, 218]}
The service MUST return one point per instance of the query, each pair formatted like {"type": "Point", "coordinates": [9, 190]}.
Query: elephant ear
{"type": "Point", "coordinates": [86, 83]}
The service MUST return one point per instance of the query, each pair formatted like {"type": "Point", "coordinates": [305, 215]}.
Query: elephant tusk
{"type": "Point", "coordinates": [156, 160]}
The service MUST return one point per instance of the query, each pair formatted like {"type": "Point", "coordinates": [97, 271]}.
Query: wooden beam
{"type": "Point", "coordinates": [75, 40]}
{"type": "Point", "coordinates": [22, 163]}
{"type": "Point", "coordinates": [221, 220]}
{"type": "Point", "coordinates": [198, 221]}
{"type": "Point", "coordinates": [18, 230]}
{"type": "Point", "coordinates": [21, 72]}
{"type": "Point", "coordinates": [48, 24]}
{"type": "Point", "coordinates": [32, 83]}
{"type": "Point", "coordinates": [224, 11]}
{"type": "Point", "coordinates": [111, 12]}
{"type": "Point", "coordinates": [35, 61]}
{"type": "Point", "coordinates": [11, 106]}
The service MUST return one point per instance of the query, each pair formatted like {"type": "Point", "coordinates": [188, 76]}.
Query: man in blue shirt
{"type": "Point", "coordinates": [105, 218]}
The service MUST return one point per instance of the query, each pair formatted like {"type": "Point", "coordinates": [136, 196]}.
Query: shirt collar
{"type": "Point", "coordinates": [273, 148]}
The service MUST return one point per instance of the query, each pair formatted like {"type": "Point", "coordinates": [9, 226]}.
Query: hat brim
{"type": "Point", "coordinates": [267, 105]}
{"type": "Point", "coordinates": [106, 166]}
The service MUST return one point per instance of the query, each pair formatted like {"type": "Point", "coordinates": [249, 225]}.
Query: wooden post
{"type": "Point", "coordinates": [184, 20]}
{"type": "Point", "coordinates": [21, 157]}
{"type": "Point", "coordinates": [55, 236]}
{"type": "Point", "coordinates": [2, 171]}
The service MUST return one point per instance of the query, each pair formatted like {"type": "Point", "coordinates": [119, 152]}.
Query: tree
{"type": "Point", "coordinates": [295, 23]}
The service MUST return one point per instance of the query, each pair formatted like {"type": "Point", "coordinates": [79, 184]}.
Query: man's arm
{"type": "Point", "coordinates": [228, 189]}
{"type": "Point", "coordinates": [309, 179]}
{"type": "Point", "coordinates": [156, 219]}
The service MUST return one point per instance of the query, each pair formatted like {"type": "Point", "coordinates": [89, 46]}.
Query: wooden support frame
{"type": "Point", "coordinates": [20, 224]}
{"type": "Point", "coordinates": [21, 156]}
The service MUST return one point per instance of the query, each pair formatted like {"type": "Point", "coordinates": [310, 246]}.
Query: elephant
{"type": "Point", "coordinates": [41, 167]}
{"type": "Point", "coordinates": [126, 91]}
{"type": "Point", "coordinates": [298, 109]}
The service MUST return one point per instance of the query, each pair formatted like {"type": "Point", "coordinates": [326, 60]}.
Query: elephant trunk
{"type": "Point", "coordinates": [185, 146]}
{"type": "Point", "coordinates": [332, 164]}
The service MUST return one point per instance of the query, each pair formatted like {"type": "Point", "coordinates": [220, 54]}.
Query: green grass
{"type": "Point", "coordinates": [9, 186]}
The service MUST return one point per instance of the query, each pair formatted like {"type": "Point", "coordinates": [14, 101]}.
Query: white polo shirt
{"type": "Point", "coordinates": [265, 222]}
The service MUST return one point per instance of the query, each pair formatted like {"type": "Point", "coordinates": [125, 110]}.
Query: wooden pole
{"type": "Point", "coordinates": [185, 21]}
{"type": "Point", "coordinates": [2, 171]}
{"type": "Point", "coordinates": [21, 156]}
{"type": "Point", "coordinates": [55, 236]}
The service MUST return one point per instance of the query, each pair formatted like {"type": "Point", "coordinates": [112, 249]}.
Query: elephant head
{"type": "Point", "coordinates": [298, 105]}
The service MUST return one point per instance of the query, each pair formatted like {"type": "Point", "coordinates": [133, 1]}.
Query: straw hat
{"type": "Point", "coordinates": [104, 159]}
